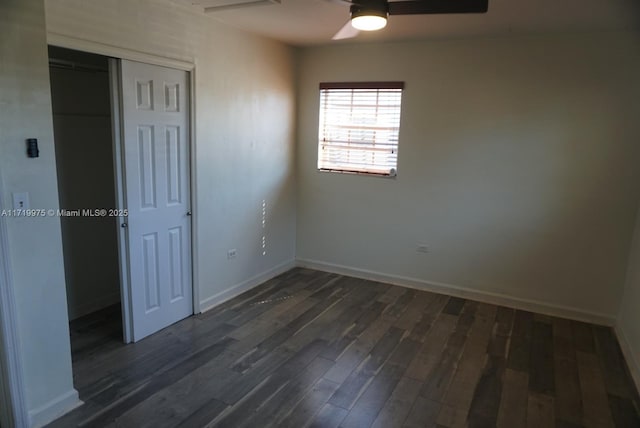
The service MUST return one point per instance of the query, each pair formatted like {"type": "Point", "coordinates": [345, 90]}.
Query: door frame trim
{"type": "Point", "coordinates": [120, 186]}
{"type": "Point", "coordinates": [64, 41]}
{"type": "Point", "coordinates": [116, 53]}
{"type": "Point", "coordinates": [197, 307]}
{"type": "Point", "coordinates": [12, 389]}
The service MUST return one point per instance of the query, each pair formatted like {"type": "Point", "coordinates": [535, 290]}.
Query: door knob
{"type": "Point", "coordinates": [188, 213]}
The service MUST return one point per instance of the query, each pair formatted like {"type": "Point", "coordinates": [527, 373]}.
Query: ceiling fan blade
{"type": "Point", "coordinates": [346, 32]}
{"type": "Point", "coordinates": [437, 6]}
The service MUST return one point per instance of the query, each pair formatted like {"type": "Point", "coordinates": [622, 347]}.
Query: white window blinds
{"type": "Point", "coordinates": [359, 126]}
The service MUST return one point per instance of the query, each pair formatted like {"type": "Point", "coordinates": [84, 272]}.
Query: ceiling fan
{"type": "Point", "coordinates": [371, 15]}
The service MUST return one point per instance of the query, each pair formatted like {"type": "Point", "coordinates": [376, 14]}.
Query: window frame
{"type": "Point", "coordinates": [378, 86]}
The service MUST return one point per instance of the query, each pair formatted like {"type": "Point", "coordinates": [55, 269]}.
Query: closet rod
{"type": "Point", "coordinates": [72, 65]}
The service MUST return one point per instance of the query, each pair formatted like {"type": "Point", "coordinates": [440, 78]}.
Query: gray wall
{"type": "Point", "coordinates": [518, 167]}
{"type": "Point", "coordinates": [35, 244]}
{"type": "Point", "coordinates": [84, 159]}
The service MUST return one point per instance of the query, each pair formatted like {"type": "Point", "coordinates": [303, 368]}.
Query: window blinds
{"type": "Point", "coordinates": [359, 126]}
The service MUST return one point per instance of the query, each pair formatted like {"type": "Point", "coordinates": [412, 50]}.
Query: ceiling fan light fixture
{"type": "Point", "coordinates": [370, 17]}
{"type": "Point", "coordinates": [369, 22]}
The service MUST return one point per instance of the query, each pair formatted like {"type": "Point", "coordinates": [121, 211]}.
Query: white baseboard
{"type": "Point", "coordinates": [54, 409]}
{"type": "Point", "coordinates": [632, 357]}
{"type": "Point", "coordinates": [231, 292]}
{"type": "Point", "coordinates": [95, 305]}
{"type": "Point", "coordinates": [544, 308]}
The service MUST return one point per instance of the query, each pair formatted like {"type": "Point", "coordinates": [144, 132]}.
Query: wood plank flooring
{"type": "Point", "coordinates": [313, 349]}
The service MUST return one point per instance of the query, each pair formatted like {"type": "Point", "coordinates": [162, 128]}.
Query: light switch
{"type": "Point", "coordinates": [21, 201]}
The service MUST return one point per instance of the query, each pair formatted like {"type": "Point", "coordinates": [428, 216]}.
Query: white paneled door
{"type": "Point", "coordinates": [155, 147]}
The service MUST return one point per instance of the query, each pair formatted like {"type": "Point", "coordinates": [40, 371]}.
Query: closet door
{"type": "Point", "coordinates": [155, 131]}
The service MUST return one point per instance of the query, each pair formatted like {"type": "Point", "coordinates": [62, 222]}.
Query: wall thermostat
{"type": "Point", "coordinates": [32, 148]}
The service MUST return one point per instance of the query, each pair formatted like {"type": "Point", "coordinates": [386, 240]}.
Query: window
{"type": "Point", "coordinates": [359, 126]}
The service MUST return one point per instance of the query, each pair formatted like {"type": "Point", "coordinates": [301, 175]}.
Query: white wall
{"type": "Point", "coordinates": [517, 167]}
{"type": "Point", "coordinates": [84, 159]}
{"type": "Point", "coordinates": [34, 243]}
{"type": "Point", "coordinates": [244, 128]}
{"type": "Point", "coordinates": [628, 326]}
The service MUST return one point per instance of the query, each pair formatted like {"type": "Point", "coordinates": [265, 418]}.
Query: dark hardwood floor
{"type": "Point", "coordinates": [312, 349]}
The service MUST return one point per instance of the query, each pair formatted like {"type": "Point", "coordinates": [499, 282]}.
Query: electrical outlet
{"type": "Point", "coordinates": [422, 248]}
{"type": "Point", "coordinates": [232, 253]}
{"type": "Point", "coordinates": [21, 201]}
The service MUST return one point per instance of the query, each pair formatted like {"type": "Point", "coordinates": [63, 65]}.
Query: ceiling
{"type": "Point", "coordinates": [313, 22]}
